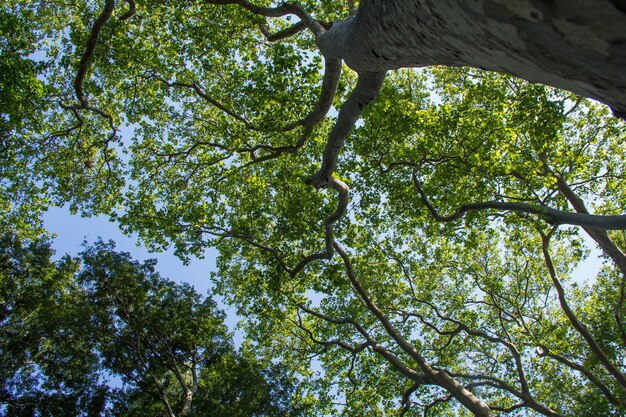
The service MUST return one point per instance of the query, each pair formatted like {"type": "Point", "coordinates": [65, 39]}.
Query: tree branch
{"type": "Point", "coordinates": [552, 216]}
{"type": "Point", "coordinates": [543, 351]}
{"type": "Point", "coordinates": [440, 378]}
{"type": "Point", "coordinates": [83, 66]}
{"type": "Point", "coordinates": [419, 378]}
{"type": "Point", "coordinates": [332, 73]}
{"type": "Point", "coordinates": [603, 240]}
{"type": "Point", "coordinates": [366, 90]}
{"type": "Point", "coordinates": [580, 327]}
{"type": "Point", "coordinates": [283, 10]}
{"type": "Point", "coordinates": [132, 9]}
{"type": "Point", "coordinates": [284, 33]}
{"type": "Point", "coordinates": [92, 41]}
{"type": "Point", "coordinates": [525, 393]}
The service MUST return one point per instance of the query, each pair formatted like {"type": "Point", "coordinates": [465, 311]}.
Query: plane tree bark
{"type": "Point", "coordinates": [573, 45]}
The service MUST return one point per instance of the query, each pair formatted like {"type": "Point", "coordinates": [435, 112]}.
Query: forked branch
{"type": "Point", "coordinates": [83, 66]}
{"type": "Point", "coordinates": [438, 377]}
{"type": "Point", "coordinates": [283, 10]}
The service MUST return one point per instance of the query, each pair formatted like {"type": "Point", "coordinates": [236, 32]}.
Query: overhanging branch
{"type": "Point", "coordinates": [552, 216]}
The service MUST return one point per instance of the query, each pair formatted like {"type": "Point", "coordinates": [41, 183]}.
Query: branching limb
{"type": "Point", "coordinates": [83, 66]}
{"type": "Point", "coordinates": [224, 233]}
{"type": "Point", "coordinates": [102, 19]}
{"type": "Point", "coordinates": [326, 343]}
{"type": "Point", "coordinates": [332, 73]}
{"type": "Point", "coordinates": [603, 240]}
{"type": "Point", "coordinates": [201, 92]}
{"type": "Point", "coordinates": [283, 10]}
{"type": "Point", "coordinates": [523, 394]}
{"type": "Point", "coordinates": [366, 90]}
{"type": "Point", "coordinates": [552, 216]}
{"type": "Point", "coordinates": [600, 236]}
{"type": "Point", "coordinates": [580, 327]}
{"type": "Point", "coordinates": [543, 351]}
{"type": "Point", "coordinates": [399, 365]}
{"type": "Point", "coordinates": [406, 399]}
{"type": "Point", "coordinates": [439, 377]}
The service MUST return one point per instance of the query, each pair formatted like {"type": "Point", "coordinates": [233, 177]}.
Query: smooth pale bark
{"type": "Point", "coordinates": [576, 45]}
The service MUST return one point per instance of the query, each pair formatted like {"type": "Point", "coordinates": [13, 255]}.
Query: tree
{"type": "Point", "coordinates": [439, 279]}
{"type": "Point", "coordinates": [65, 331]}
{"type": "Point", "coordinates": [46, 359]}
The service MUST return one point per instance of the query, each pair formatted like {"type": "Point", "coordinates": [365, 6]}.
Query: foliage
{"type": "Point", "coordinates": [195, 131]}
{"type": "Point", "coordinates": [68, 329]}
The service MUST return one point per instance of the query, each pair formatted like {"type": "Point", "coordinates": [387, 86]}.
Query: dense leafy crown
{"type": "Point", "coordinates": [442, 279]}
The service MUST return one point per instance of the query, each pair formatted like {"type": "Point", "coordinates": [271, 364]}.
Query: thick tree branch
{"type": "Point", "coordinates": [603, 240]}
{"type": "Point", "coordinates": [332, 73]}
{"type": "Point", "coordinates": [366, 90]}
{"type": "Point", "coordinates": [132, 9]}
{"type": "Point", "coordinates": [552, 216]}
{"type": "Point", "coordinates": [83, 66]}
{"type": "Point", "coordinates": [92, 41]}
{"type": "Point", "coordinates": [600, 236]}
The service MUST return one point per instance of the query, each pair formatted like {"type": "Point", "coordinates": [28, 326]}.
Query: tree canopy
{"type": "Point", "coordinates": [102, 334]}
{"type": "Point", "coordinates": [417, 261]}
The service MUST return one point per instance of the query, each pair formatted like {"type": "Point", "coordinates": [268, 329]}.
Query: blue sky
{"type": "Point", "coordinates": [72, 230]}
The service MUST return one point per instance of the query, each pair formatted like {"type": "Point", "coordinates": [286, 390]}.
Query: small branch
{"type": "Point", "coordinates": [552, 216]}
{"type": "Point", "coordinates": [284, 33]}
{"type": "Point", "coordinates": [132, 9]}
{"type": "Point", "coordinates": [200, 91]}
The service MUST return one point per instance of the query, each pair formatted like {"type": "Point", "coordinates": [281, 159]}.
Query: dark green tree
{"type": "Point", "coordinates": [48, 366]}
{"type": "Point", "coordinates": [68, 327]}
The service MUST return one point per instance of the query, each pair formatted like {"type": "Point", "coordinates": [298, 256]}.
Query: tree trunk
{"type": "Point", "coordinates": [576, 45]}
